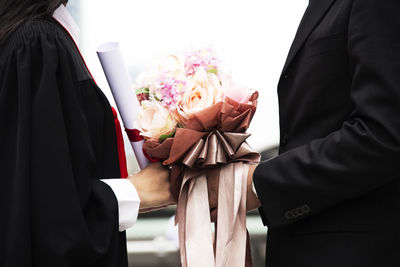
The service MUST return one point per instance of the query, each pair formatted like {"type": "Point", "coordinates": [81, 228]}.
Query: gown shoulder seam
{"type": "Point", "coordinates": [31, 29]}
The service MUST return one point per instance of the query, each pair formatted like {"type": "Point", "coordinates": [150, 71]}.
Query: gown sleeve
{"type": "Point", "coordinates": [54, 209]}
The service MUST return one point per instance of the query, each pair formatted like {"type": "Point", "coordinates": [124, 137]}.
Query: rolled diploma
{"type": "Point", "coordinates": [122, 90]}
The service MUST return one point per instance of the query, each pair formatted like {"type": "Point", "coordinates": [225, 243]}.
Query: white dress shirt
{"type": "Point", "coordinates": [126, 194]}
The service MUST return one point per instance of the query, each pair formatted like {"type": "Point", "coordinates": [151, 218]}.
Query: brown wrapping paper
{"type": "Point", "coordinates": [209, 159]}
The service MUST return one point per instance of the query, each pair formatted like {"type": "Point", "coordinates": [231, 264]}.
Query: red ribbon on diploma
{"type": "Point", "coordinates": [134, 136]}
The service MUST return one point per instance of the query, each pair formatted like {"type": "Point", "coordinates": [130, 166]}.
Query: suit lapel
{"type": "Point", "coordinates": [312, 17]}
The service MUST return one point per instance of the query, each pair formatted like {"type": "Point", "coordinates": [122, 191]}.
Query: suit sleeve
{"type": "Point", "coordinates": [362, 155]}
{"type": "Point", "coordinates": [55, 211]}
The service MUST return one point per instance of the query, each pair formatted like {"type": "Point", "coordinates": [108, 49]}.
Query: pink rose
{"type": "Point", "coordinates": [202, 91]}
{"type": "Point", "coordinates": [233, 91]}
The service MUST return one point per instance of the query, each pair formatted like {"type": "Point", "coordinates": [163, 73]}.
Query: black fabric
{"type": "Point", "coordinates": [57, 139]}
{"type": "Point", "coordinates": [332, 196]}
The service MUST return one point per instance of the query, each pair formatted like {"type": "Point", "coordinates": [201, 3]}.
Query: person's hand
{"type": "Point", "coordinates": [252, 201]}
{"type": "Point", "coordinates": [153, 187]}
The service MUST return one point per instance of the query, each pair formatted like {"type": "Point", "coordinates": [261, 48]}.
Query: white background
{"type": "Point", "coordinates": [252, 37]}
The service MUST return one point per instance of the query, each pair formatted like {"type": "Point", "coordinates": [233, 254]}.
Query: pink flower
{"type": "Point", "coordinates": [202, 91]}
{"type": "Point", "coordinates": [201, 59]}
{"type": "Point", "coordinates": [232, 90]}
{"type": "Point", "coordinates": [169, 67]}
{"type": "Point", "coordinates": [169, 91]}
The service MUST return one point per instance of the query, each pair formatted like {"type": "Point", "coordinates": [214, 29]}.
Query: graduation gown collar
{"type": "Point", "coordinates": [62, 16]}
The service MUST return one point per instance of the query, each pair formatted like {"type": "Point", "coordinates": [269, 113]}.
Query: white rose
{"type": "Point", "coordinates": [154, 120]}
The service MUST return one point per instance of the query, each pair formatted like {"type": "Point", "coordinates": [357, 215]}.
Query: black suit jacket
{"type": "Point", "coordinates": [332, 196]}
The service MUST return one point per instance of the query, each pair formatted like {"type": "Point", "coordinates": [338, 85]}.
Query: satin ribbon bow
{"type": "Point", "coordinates": [231, 154]}
{"type": "Point", "coordinates": [220, 148]}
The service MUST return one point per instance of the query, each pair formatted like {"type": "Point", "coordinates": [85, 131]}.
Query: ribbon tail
{"type": "Point", "coordinates": [249, 260]}
{"type": "Point", "coordinates": [231, 232]}
{"type": "Point", "coordinates": [195, 235]}
{"type": "Point", "coordinates": [180, 220]}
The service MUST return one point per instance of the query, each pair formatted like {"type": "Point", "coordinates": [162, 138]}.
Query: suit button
{"type": "Point", "coordinates": [289, 215]}
{"type": "Point", "coordinates": [306, 209]}
{"type": "Point", "coordinates": [299, 212]}
{"type": "Point", "coordinates": [285, 140]}
{"type": "Point", "coordinates": [285, 77]}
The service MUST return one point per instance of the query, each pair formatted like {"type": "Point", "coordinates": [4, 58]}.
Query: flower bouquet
{"type": "Point", "coordinates": [194, 119]}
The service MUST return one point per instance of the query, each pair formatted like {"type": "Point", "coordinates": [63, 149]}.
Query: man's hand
{"type": "Point", "coordinates": [252, 201]}
{"type": "Point", "coordinates": [153, 187]}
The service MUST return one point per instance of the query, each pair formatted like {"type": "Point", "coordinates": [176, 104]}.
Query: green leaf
{"type": "Point", "coordinates": [213, 71]}
{"type": "Point", "coordinates": [156, 98]}
{"type": "Point", "coordinates": [142, 91]}
{"type": "Point", "coordinates": [166, 136]}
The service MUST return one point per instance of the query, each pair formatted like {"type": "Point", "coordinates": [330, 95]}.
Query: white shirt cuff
{"type": "Point", "coordinates": [128, 201]}
{"type": "Point", "coordinates": [253, 187]}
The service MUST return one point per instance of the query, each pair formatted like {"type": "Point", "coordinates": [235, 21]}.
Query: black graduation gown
{"type": "Point", "coordinates": [57, 139]}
